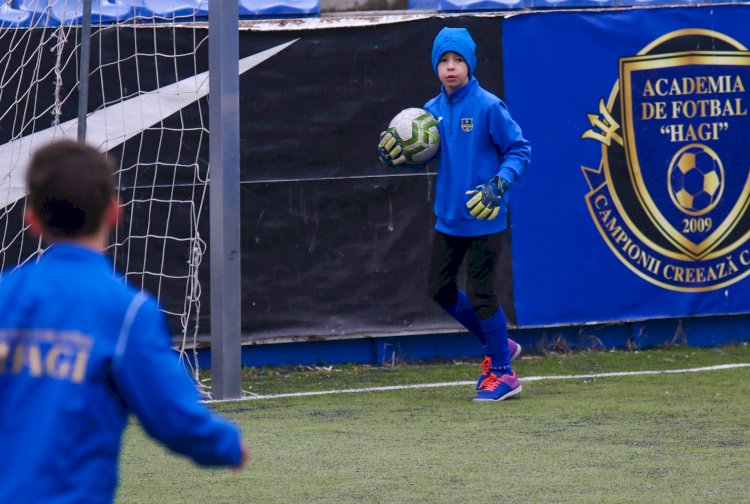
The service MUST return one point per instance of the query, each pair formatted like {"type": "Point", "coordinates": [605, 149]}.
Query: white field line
{"type": "Point", "coordinates": [258, 397]}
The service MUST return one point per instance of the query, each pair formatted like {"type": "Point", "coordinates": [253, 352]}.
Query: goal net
{"type": "Point", "coordinates": [147, 108]}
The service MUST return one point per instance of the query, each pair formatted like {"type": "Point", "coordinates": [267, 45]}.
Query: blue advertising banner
{"type": "Point", "coordinates": [637, 203]}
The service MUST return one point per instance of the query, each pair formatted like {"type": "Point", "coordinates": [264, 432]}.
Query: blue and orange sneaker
{"type": "Point", "coordinates": [498, 388]}
{"type": "Point", "coordinates": [514, 349]}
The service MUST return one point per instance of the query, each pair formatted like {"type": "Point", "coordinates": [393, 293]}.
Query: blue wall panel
{"type": "Point", "coordinates": [31, 13]}
{"type": "Point", "coordinates": [597, 237]}
{"type": "Point", "coordinates": [253, 8]}
{"type": "Point", "coordinates": [698, 332]}
{"type": "Point", "coordinates": [424, 4]}
{"type": "Point", "coordinates": [171, 9]}
{"type": "Point", "coordinates": [479, 5]}
{"type": "Point", "coordinates": [11, 17]}
{"type": "Point", "coordinates": [70, 12]}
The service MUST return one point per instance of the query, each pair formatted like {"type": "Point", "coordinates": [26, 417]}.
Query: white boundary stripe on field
{"type": "Point", "coordinates": [462, 383]}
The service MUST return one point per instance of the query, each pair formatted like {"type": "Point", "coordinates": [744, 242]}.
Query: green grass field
{"type": "Point", "coordinates": [666, 438]}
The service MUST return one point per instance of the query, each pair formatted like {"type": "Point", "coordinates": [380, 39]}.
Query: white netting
{"type": "Point", "coordinates": [147, 109]}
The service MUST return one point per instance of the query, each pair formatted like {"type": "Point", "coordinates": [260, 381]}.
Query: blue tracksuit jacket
{"type": "Point", "coordinates": [79, 351]}
{"type": "Point", "coordinates": [478, 141]}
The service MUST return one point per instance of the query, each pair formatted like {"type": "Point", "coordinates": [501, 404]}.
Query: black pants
{"type": "Point", "coordinates": [481, 253]}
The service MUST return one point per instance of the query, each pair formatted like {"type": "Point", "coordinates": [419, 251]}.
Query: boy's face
{"type": "Point", "coordinates": [453, 71]}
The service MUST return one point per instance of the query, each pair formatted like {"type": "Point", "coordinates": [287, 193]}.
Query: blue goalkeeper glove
{"type": "Point", "coordinates": [485, 199]}
{"type": "Point", "coordinates": [390, 150]}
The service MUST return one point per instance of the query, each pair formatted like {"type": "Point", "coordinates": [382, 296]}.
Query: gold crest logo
{"type": "Point", "coordinates": [671, 196]}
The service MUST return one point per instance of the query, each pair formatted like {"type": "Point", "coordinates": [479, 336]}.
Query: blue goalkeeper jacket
{"type": "Point", "coordinates": [79, 351]}
{"type": "Point", "coordinates": [478, 141]}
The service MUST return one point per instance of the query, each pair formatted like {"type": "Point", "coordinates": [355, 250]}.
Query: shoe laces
{"type": "Point", "coordinates": [485, 366]}
{"type": "Point", "coordinates": [493, 381]}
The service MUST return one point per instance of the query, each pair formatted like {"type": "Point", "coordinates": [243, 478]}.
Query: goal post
{"type": "Point", "coordinates": [224, 152]}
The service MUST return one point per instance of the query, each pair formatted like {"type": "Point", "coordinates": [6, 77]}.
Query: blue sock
{"type": "Point", "coordinates": [495, 331]}
{"type": "Point", "coordinates": [463, 311]}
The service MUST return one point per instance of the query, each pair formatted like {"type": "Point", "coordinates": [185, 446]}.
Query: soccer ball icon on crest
{"type": "Point", "coordinates": [696, 179]}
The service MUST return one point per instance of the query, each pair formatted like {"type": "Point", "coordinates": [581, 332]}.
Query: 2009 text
{"type": "Point", "coordinates": [700, 225]}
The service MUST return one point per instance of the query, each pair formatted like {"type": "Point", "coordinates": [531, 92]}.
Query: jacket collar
{"type": "Point", "coordinates": [460, 94]}
{"type": "Point", "coordinates": [72, 251]}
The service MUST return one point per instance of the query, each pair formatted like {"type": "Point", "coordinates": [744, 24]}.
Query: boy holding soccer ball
{"type": "Point", "coordinates": [80, 350]}
{"type": "Point", "coordinates": [482, 152]}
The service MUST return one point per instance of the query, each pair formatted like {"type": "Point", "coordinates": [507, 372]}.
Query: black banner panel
{"type": "Point", "coordinates": [315, 109]}
{"type": "Point", "coordinates": [333, 242]}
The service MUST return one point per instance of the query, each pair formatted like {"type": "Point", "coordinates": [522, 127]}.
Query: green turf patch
{"type": "Point", "coordinates": [657, 439]}
{"type": "Point", "coordinates": [279, 380]}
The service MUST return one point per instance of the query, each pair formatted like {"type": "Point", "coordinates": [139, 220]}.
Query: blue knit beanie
{"type": "Point", "coordinates": [457, 40]}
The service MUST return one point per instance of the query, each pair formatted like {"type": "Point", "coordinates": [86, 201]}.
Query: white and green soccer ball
{"type": "Point", "coordinates": [417, 132]}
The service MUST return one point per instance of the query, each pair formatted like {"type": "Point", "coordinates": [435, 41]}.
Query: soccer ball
{"type": "Point", "coordinates": [417, 132]}
{"type": "Point", "coordinates": [696, 179]}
